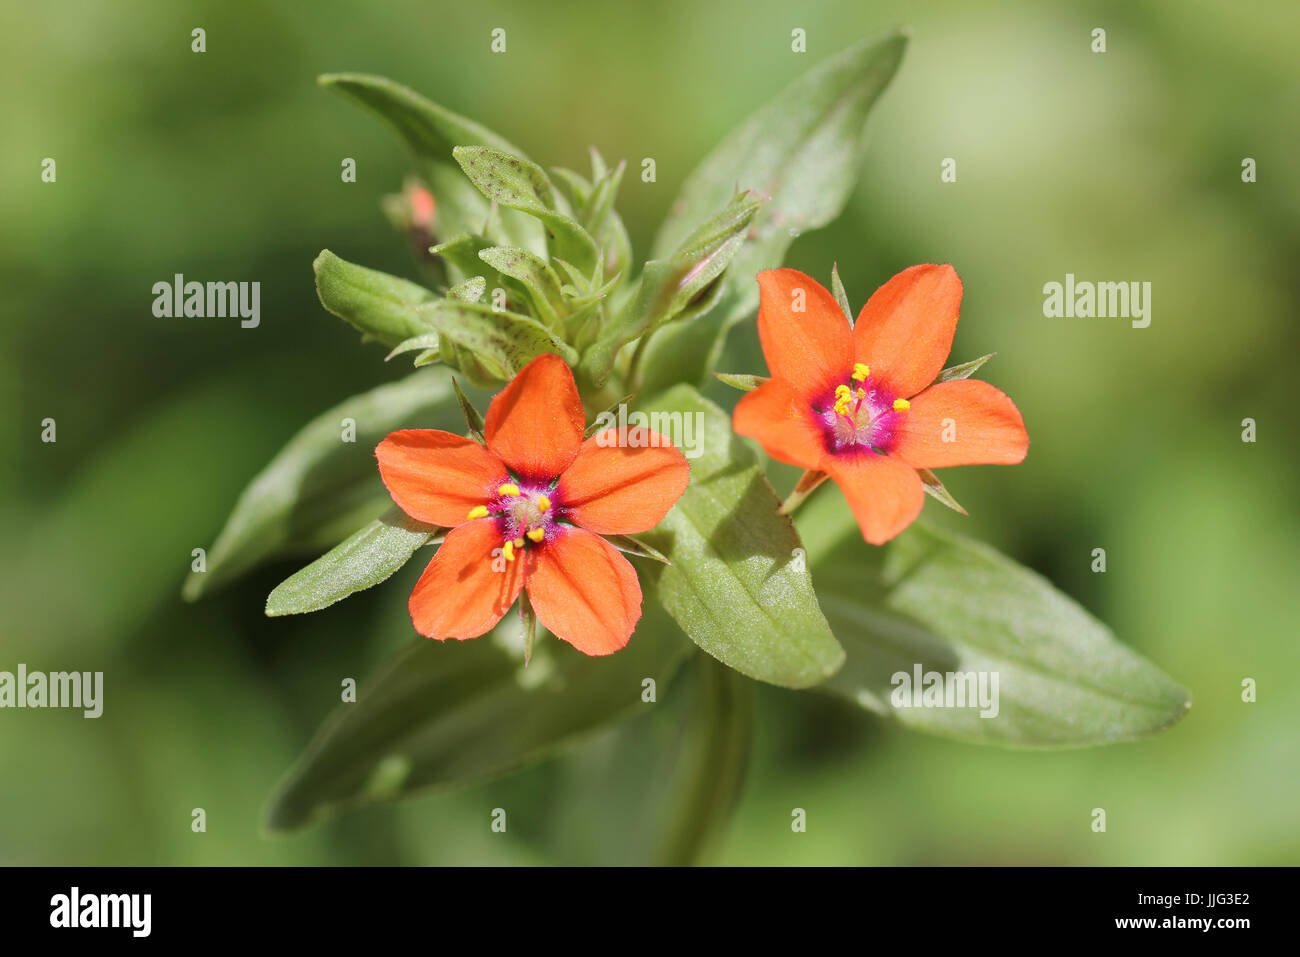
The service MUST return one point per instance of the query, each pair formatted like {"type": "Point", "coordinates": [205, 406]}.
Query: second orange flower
{"type": "Point", "coordinates": [861, 403]}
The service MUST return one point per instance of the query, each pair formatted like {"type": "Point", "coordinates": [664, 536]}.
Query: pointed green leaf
{"type": "Point", "coordinates": [366, 558]}
{"type": "Point", "coordinates": [447, 713]}
{"type": "Point", "coordinates": [473, 418]}
{"type": "Point", "coordinates": [746, 383]}
{"type": "Point", "coordinates": [318, 480]}
{"type": "Point", "coordinates": [738, 584]}
{"type": "Point", "coordinates": [668, 286]}
{"type": "Point", "coordinates": [431, 131]}
{"type": "Point", "coordinates": [518, 183]}
{"type": "Point", "coordinates": [579, 187]}
{"type": "Point", "coordinates": [837, 290]}
{"type": "Point", "coordinates": [944, 604]}
{"type": "Point", "coordinates": [534, 274]}
{"type": "Point", "coordinates": [605, 418]}
{"type": "Point", "coordinates": [460, 253]}
{"type": "Point", "coordinates": [383, 307]}
{"type": "Point", "coordinates": [804, 149]}
{"type": "Point", "coordinates": [427, 341]}
{"type": "Point", "coordinates": [471, 290]}
{"type": "Point", "coordinates": [499, 342]}
{"type": "Point", "coordinates": [630, 545]}
{"type": "Point", "coordinates": [602, 220]}
{"type": "Point", "coordinates": [965, 370]}
{"type": "Point", "coordinates": [935, 488]}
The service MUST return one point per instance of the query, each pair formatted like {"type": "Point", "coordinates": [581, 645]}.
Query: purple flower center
{"type": "Point", "coordinates": [527, 511]}
{"type": "Point", "coordinates": [857, 415]}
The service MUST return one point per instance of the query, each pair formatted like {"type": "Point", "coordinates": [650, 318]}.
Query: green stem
{"type": "Point", "coordinates": [711, 768]}
{"type": "Point", "coordinates": [808, 482]}
{"type": "Point", "coordinates": [633, 377]}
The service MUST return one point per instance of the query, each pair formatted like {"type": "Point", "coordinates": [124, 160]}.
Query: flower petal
{"type": "Point", "coordinates": [904, 332]}
{"type": "Point", "coordinates": [885, 495]}
{"type": "Point", "coordinates": [466, 589]}
{"type": "Point", "coordinates": [962, 422]}
{"type": "Point", "coordinates": [623, 482]}
{"type": "Point", "coordinates": [585, 592]}
{"type": "Point", "coordinates": [437, 477]}
{"type": "Point", "coordinates": [535, 423]}
{"type": "Point", "coordinates": [811, 349]}
{"type": "Point", "coordinates": [780, 419]}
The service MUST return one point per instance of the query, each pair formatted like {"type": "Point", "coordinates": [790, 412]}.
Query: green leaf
{"type": "Point", "coordinates": [965, 370]}
{"type": "Point", "coordinates": [950, 605]}
{"type": "Point", "coordinates": [318, 482]}
{"type": "Point", "coordinates": [473, 418]}
{"type": "Point", "coordinates": [837, 290]}
{"type": "Point", "coordinates": [605, 417]}
{"type": "Point", "coordinates": [460, 253]}
{"type": "Point", "coordinates": [366, 558]}
{"type": "Point", "coordinates": [738, 584]}
{"type": "Point", "coordinates": [432, 131]}
{"type": "Point", "coordinates": [383, 307]}
{"type": "Point", "coordinates": [499, 342]}
{"type": "Point", "coordinates": [602, 220]}
{"type": "Point", "coordinates": [534, 274]}
{"type": "Point", "coordinates": [712, 762]}
{"type": "Point", "coordinates": [518, 183]}
{"type": "Point", "coordinates": [631, 545]}
{"type": "Point", "coordinates": [471, 290]}
{"type": "Point", "coordinates": [935, 488]}
{"type": "Point", "coordinates": [668, 286]}
{"type": "Point", "coordinates": [579, 187]}
{"type": "Point", "coordinates": [804, 149]}
{"type": "Point", "coordinates": [746, 383]}
{"type": "Point", "coordinates": [455, 712]}
{"type": "Point", "coordinates": [427, 341]}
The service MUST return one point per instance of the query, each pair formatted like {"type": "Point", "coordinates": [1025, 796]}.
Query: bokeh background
{"type": "Point", "coordinates": [225, 165]}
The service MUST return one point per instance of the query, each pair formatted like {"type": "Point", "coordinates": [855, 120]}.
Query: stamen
{"type": "Point", "coordinates": [519, 542]}
{"type": "Point", "coordinates": [508, 489]}
{"type": "Point", "coordinates": [842, 398]}
{"type": "Point", "coordinates": [536, 534]}
{"type": "Point", "coordinates": [901, 405]}
{"type": "Point", "coordinates": [508, 550]}
{"type": "Point", "coordinates": [478, 511]}
{"type": "Point", "coordinates": [860, 371]}
{"type": "Point", "coordinates": [543, 503]}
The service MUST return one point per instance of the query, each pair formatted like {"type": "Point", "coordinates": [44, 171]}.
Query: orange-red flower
{"type": "Point", "coordinates": [527, 512]}
{"type": "Point", "coordinates": [860, 402]}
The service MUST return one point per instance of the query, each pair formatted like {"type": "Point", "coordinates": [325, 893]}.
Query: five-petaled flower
{"type": "Point", "coordinates": [860, 403]}
{"type": "Point", "coordinates": [527, 512]}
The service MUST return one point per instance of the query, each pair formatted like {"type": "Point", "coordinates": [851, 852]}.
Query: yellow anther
{"type": "Point", "coordinates": [543, 503]}
{"type": "Point", "coordinates": [901, 405]}
{"type": "Point", "coordinates": [508, 550]}
{"type": "Point", "coordinates": [860, 371]}
{"type": "Point", "coordinates": [860, 394]}
{"type": "Point", "coordinates": [842, 398]}
{"type": "Point", "coordinates": [536, 534]}
{"type": "Point", "coordinates": [519, 542]}
{"type": "Point", "coordinates": [508, 489]}
{"type": "Point", "coordinates": [478, 511]}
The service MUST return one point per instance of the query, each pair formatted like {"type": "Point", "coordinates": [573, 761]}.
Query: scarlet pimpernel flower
{"type": "Point", "coordinates": [526, 511]}
{"type": "Point", "coordinates": [861, 404]}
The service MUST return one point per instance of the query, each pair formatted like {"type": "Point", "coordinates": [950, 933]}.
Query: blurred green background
{"type": "Point", "coordinates": [225, 165]}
